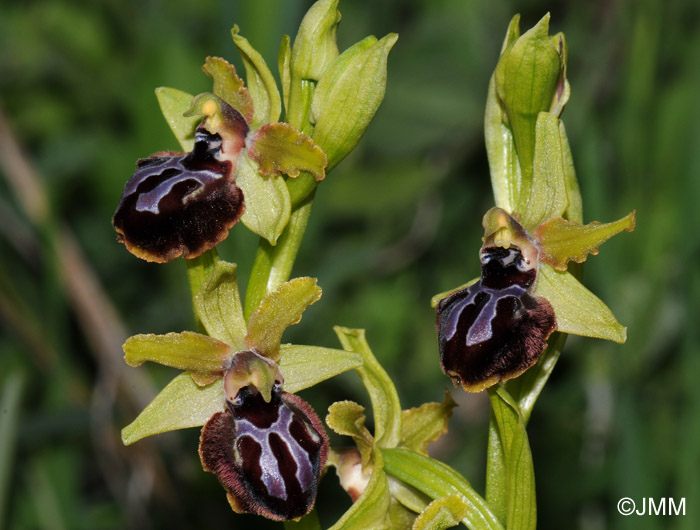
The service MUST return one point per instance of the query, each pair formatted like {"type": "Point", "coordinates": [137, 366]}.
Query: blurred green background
{"type": "Point", "coordinates": [395, 223]}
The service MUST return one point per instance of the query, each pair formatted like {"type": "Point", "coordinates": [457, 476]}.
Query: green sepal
{"type": "Point", "coordinates": [525, 81]}
{"type": "Point", "coordinates": [578, 311]}
{"type": "Point", "coordinates": [228, 86]}
{"type": "Point", "coordinates": [306, 366]}
{"type": "Point", "coordinates": [348, 95]}
{"type": "Point", "coordinates": [562, 241]}
{"type": "Point", "coordinates": [267, 202]}
{"type": "Point", "coordinates": [546, 195]}
{"type": "Point", "coordinates": [261, 84]}
{"type": "Point", "coordinates": [370, 510]}
{"type": "Point", "coordinates": [425, 424]}
{"type": "Point", "coordinates": [277, 311]}
{"type": "Point", "coordinates": [500, 147]}
{"type": "Point", "coordinates": [347, 418]}
{"type": "Point", "coordinates": [435, 300]}
{"type": "Point", "coordinates": [437, 480]}
{"type": "Point", "coordinates": [284, 59]}
{"type": "Point", "coordinates": [315, 46]}
{"type": "Point", "coordinates": [442, 513]}
{"type": "Point", "coordinates": [382, 392]}
{"type": "Point", "coordinates": [518, 481]}
{"type": "Point", "coordinates": [218, 306]}
{"type": "Point", "coordinates": [174, 104]}
{"type": "Point", "coordinates": [180, 405]}
{"type": "Point", "coordinates": [204, 356]}
{"type": "Point", "coordinates": [280, 148]}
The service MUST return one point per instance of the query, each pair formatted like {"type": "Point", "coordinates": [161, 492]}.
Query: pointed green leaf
{"type": "Point", "coordinates": [369, 511]}
{"type": "Point", "coordinates": [562, 241]}
{"type": "Point", "coordinates": [500, 147]}
{"type": "Point", "coordinates": [279, 147]}
{"type": "Point", "coordinates": [425, 424]}
{"type": "Point", "coordinates": [521, 507]}
{"type": "Point", "coordinates": [218, 306]}
{"type": "Point", "coordinates": [186, 351]}
{"type": "Point", "coordinates": [348, 95]}
{"type": "Point", "coordinates": [284, 59]}
{"type": "Point", "coordinates": [382, 392]}
{"type": "Point", "coordinates": [173, 104]}
{"type": "Point", "coordinates": [306, 366]}
{"type": "Point", "coordinates": [261, 83]}
{"type": "Point", "coordinates": [437, 480]}
{"type": "Point", "coordinates": [279, 310]}
{"type": "Point", "coordinates": [444, 512]}
{"type": "Point", "coordinates": [578, 311]}
{"type": "Point", "coordinates": [267, 202]}
{"type": "Point", "coordinates": [347, 418]}
{"type": "Point", "coordinates": [504, 165]}
{"type": "Point", "coordinates": [546, 196]}
{"type": "Point", "coordinates": [228, 86]}
{"type": "Point", "coordinates": [180, 405]}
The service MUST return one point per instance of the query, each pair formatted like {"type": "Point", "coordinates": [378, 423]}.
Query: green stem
{"type": "Point", "coordinates": [273, 265]}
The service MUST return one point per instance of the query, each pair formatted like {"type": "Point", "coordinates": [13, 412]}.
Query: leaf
{"type": "Point", "coordinates": [173, 104]}
{"type": "Point", "coordinates": [348, 95]}
{"type": "Point", "coordinates": [267, 203]}
{"type": "Point", "coordinates": [277, 311]}
{"type": "Point", "coordinates": [180, 405]}
{"type": "Point", "coordinates": [500, 146]}
{"type": "Point", "coordinates": [279, 147]}
{"type": "Point", "coordinates": [228, 86]}
{"type": "Point", "coordinates": [218, 306]}
{"type": "Point", "coordinates": [521, 508]}
{"type": "Point", "coordinates": [261, 83]}
{"type": "Point", "coordinates": [306, 366]}
{"type": "Point", "coordinates": [10, 407]}
{"type": "Point", "coordinates": [425, 424]}
{"type": "Point", "coordinates": [578, 311]}
{"type": "Point", "coordinates": [562, 241]}
{"type": "Point", "coordinates": [382, 392]}
{"type": "Point", "coordinates": [369, 511]}
{"type": "Point", "coordinates": [444, 512]}
{"type": "Point", "coordinates": [283, 64]}
{"type": "Point", "coordinates": [547, 191]}
{"type": "Point", "coordinates": [437, 480]}
{"type": "Point", "coordinates": [186, 351]}
{"type": "Point", "coordinates": [347, 418]}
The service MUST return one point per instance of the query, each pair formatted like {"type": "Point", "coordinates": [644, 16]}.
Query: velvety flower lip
{"type": "Point", "coordinates": [267, 455]}
{"type": "Point", "coordinates": [495, 329]}
{"type": "Point", "coordinates": [180, 204]}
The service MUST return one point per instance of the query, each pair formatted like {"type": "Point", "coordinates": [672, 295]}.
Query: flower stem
{"type": "Point", "coordinates": [273, 264]}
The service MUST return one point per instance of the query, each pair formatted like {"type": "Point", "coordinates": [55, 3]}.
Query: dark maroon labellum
{"type": "Point", "coordinates": [268, 456]}
{"type": "Point", "coordinates": [179, 204]}
{"type": "Point", "coordinates": [495, 329]}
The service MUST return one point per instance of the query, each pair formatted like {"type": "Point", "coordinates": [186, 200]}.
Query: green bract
{"type": "Point", "coordinates": [193, 397]}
